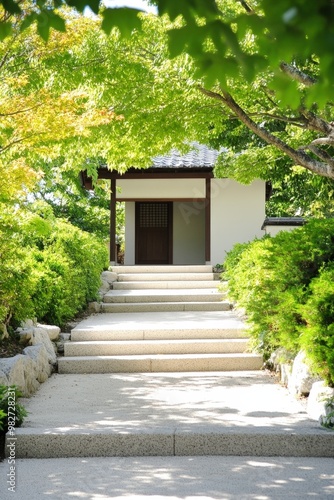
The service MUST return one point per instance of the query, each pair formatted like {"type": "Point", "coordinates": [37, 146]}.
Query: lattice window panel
{"type": "Point", "coordinates": [153, 215]}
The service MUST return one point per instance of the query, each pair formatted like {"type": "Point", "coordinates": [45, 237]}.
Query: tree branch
{"type": "Point", "coordinates": [19, 111]}
{"type": "Point", "coordinates": [299, 157]}
{"type": "Point", "coordinates": [16, 141]}
{"type": "Point", "coordinates": [323, 155]}
{"type": "Point", "coordinates": [297, 74]}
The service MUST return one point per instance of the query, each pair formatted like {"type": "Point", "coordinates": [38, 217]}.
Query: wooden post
{"type": "Point", "coordinates": [112, 253]}
{"type": "Point", "coordinates": [208, 220]}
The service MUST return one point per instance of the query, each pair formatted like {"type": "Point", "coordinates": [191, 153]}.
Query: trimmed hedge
{"type": "Point", "coordinates": [285, 285]}
{"type": "Point", "coordinates": [49, 269]}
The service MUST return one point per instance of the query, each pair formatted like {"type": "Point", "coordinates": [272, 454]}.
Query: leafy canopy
{"type": "Point", "coordinates": [213, 32]}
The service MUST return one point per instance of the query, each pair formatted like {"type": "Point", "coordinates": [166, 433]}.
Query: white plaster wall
{"type": "Point", "coordinates": [188, 233]}
{"type": "Point", "coordinates": [129, 254]}
{"type": "Point", "coordinates": [237, 214]}
{"type": "Point", "coordinates": [273, 230]}
{"type": "Point", "coordinates": [147, 189]}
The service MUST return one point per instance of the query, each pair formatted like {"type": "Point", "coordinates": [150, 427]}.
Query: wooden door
{"type": "Point", "coordinates": [154, 233]}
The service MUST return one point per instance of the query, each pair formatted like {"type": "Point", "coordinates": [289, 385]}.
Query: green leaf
{"type": "Point", "coordinates": [43, 26]}
{"type": "Point", "coordinates": [189, 9]}
{"type": "Point", "coordinates": [5, 30]}
{"type": "Point", "coordinates": [80, 5]}
{"type": "Point", "coordinates": [28, 20]}
{"type": "Point", "coordinates": [11, 6]}
{"type": "Point", "coordinates": [125, 19]}
{"type": "Point", "coordinates": [178, 40]}
{"type": "Point", "coordinates": [57, 22]}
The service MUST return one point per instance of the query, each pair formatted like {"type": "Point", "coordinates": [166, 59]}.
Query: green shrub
{"type": "Point", "coordinates": [317, 337]}
{"type": "Point", "coordinates": [272, 279]}
{"type": "Point", "coordinates": [16, 412]}
{"type": "Point", "coordinates": [67, 273]}
{"type": "Point", "coordinates": [49, 268]}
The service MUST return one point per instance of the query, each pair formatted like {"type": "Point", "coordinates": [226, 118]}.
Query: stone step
{"type": "Point", "coordinates": [133, 414]}
{"type": "Point", "coordinates": [159, 363]}
{"type": "Point", "coordinates": [134, 347]}
{"type": "Point", "coordinates": [165, 306]}
{"type": "Point", "coordinates": [160, 326]}
{"type": "Point", "coordinates": [166, 276]}
{"type": "Point", "coordinates": [138, 296]}
{"type": "Point", "coordinates": [162, 269]}
{"type": "Point", "coordinates": [209, 441]}
{"type": "Point", "coordinates": [185, 285]}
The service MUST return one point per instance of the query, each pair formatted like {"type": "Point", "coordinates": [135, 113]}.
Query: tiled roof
{"type": "Point", "coordinates": [199, 156]}
{"type": "Point", "coordinates": [283, 221]}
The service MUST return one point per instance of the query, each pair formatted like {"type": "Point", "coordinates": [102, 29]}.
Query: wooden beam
{"type": "Point", "coordinates": [104, 173]}
{"type": "Point", "coordinates": [147, 200]}
{"type": "Point", "coordinates": [112, 253]}
{"type": "Point", "coordinates": [208, 220]}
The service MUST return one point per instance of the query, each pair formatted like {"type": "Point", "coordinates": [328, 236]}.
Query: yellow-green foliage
{"type": "Point", "coordinates": [49, 268]}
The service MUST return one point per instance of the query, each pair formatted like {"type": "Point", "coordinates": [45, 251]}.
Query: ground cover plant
{"type": "Point", "coordinates": [285, 284]}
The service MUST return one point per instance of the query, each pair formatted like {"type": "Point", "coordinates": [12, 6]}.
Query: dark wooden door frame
{"type": "Point", "coordinates": [112, 176]}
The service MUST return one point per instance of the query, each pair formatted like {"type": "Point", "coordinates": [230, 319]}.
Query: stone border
{"type": "Point", "coordinates": [295, 375]}
{"type": "Point", "coordinates": [28, 370]}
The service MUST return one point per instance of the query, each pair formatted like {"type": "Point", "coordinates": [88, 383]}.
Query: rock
{"type": "Point", "coordinates": [3, 378]}
{"type": "Point", "coordinates": [94, 307]}
{"type": "Point", "coordinates": [31, 383]}
{"type": "Point", "coordinates": [65, 336]}
{"type": "Point", "coordinates": [40, 336]}
{"type": "Point", "coordinates": [28, 370]}
{"type": "Point", "coordinates": [316, 403]}
{"type": "Point", "coordinates": [301, 380]}
{"type": "Point", "coordinates": [285, 370]}
{"type": "Point", "coordinates": [25, 334]}
{"type": "Point", "coordinates": [60, 347]}
{"type": "Point", "coordinates": [52, 330]}
{"type": "Point", "coordinates": [104, 288]}
{"type": "Point", "coordinates": [279, 357]}
{"type": "Point", "coordinates": [109, 277]}
{"type": "Point", "coordinates": [39, 355]}
{"type": "Point", "coordinates": [13, 368]}
{"type": "Point", "coordinates": [28, 323]}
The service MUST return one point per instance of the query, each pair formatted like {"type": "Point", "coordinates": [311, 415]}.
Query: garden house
{"type": "Point", "coordinates": [177, 213]}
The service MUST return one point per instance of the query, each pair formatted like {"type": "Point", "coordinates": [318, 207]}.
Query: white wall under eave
{"type": "Point", "coordinates": [274, 230]}
{"type": "Point", "coordinates": [189, 233]}
{"type": "Point", "coordinates": [129, 237]}
{"type": "Point", "coordinates": [237, 214]}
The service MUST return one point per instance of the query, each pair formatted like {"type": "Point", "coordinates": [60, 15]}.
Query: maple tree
{"type": "Point", "coordinates": [267, 64]}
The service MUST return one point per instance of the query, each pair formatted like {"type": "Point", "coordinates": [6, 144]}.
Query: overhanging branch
{"type": "Point", "coordinates": [323, 168]}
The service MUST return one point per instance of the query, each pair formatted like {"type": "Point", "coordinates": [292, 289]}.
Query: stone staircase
{"type": "Point", "coordinates": [161, 319]}
{"type": "Point", "coordinates": [172, 378]}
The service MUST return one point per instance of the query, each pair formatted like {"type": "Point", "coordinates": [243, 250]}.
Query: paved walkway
{"type": "Point", "coordinates": [168, 404]}
{"type": "Point", "coordinates": [171, 478]}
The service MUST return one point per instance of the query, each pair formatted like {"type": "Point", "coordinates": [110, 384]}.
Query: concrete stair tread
{"type": "Point", "coordinates": [149, 347]}
{"type": "Point", "coordinates": [149, 269]}
{"type": "Point", "coordinates": [156, 335]}
{"type": "Point", "coordinates": [164, 295]}
{"type": "Point", "coordinates": [181, 285]}
{"type": "Point", "coordinates": [180, 357]}
{"type": "Point", "coordinates": [148, 363]}
{"type": "Point", "coordinates": [156, 320]}
{"type": "Point", "coordinates": [163, 306]}
{"type": "Point", "coordinates": [166, 277]}
{"type": "Point", "coordinates": [185, 293]}
{"type": "Point", "coordinates": [161, 342]}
